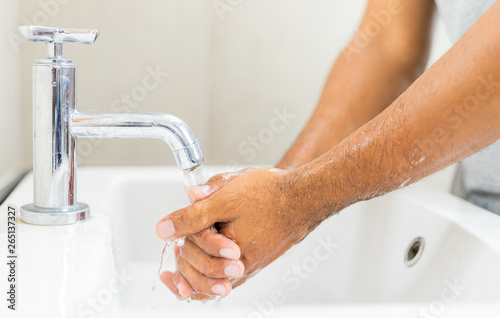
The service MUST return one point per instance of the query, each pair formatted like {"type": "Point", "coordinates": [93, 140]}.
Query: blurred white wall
{"type": "Point", "coordinates": [232, 67]}
{"type": "Point", "coordinates": [12, 125]}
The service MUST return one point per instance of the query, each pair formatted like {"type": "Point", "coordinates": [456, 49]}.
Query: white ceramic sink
{"type": "Point", "coordinates": [352, 265]}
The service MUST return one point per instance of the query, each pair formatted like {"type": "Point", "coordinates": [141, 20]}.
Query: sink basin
{"type": "Point", "coordinates": [410, 251]}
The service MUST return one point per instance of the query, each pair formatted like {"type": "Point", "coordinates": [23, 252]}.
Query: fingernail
{"type": "Point", "coordinates": [203, 189]}
{"type": "Point", "coordinates": [232, 271]}
{"type": "Point", "coordinates": [179, 288]}
{"type": "Point", "coordinates": [166, 229]}
{"type": "Point", "coordinates": [219, 289]}
{"type": "Point", "coordinates": [228, 253]}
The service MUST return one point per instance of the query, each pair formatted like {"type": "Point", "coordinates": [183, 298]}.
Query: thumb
{"type": "Point", "coordinates": [213, 185]}
{"type": "Point", "coordinates": [188, 221]}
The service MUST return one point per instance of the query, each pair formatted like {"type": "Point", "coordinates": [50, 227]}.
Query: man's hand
{"type": "Point", "coordinates": [449, 113]}
{"type": "Point", "coordinates": [209, 248]}
{"type": "Point", "coordinates": [252, 209]}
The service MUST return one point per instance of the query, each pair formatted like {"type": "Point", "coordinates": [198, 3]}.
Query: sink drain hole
{"type": "Point", "coordinates": [414, 251]}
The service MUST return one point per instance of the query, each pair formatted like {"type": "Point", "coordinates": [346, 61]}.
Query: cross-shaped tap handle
{"type": "Point", "coordinates": [57, 36]}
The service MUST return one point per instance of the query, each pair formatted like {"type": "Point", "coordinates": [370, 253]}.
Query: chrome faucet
{"type": "Point", "coordinates": [58, 125]}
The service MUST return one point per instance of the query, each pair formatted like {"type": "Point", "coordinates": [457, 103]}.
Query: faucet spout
{"type": "Point", "coordinates": [172, 130]}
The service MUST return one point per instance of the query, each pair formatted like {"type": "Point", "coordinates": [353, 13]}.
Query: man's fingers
{"type": "Point", "coordinates": [167, 279]}
{"type": "Point", "coordinates": [182, 285]}
{"type": "Point", "coordinates": [177, 285]}
{"type": "Point", "coordinates": [176, 282]}
{"type": "Point", "coordinates": [190, 220]}
{"type": "Point", "coordinates": [213, 267]}
{"type": "Point", "coordinates": [200, 283]}
{"type": "Point", "coordinates": [216, 244]}
{"type": "Point", "coordinates": [213, 185]}
{"type": "Point", "coordinates": [194, 219]}
{"type": "Point", "coordinates": [198, 296]}
{"type": "Point", "coordinates": [201, 192]}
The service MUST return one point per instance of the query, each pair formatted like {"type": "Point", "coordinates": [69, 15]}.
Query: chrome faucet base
{"type": "Point", "coordinates": [76, 213]}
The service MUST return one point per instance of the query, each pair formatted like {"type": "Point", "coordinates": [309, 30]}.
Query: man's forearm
{"type": "Point", "coordinates": [364, 81]}
{"type": "Point", "coordinates": [449, 113]}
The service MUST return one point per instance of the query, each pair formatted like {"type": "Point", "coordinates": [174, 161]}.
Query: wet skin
{"type": "Point", "coordinates": [380, 123]}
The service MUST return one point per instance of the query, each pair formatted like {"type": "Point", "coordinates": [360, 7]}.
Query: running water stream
{"type": "Point", "coordinates": [191, 178]}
